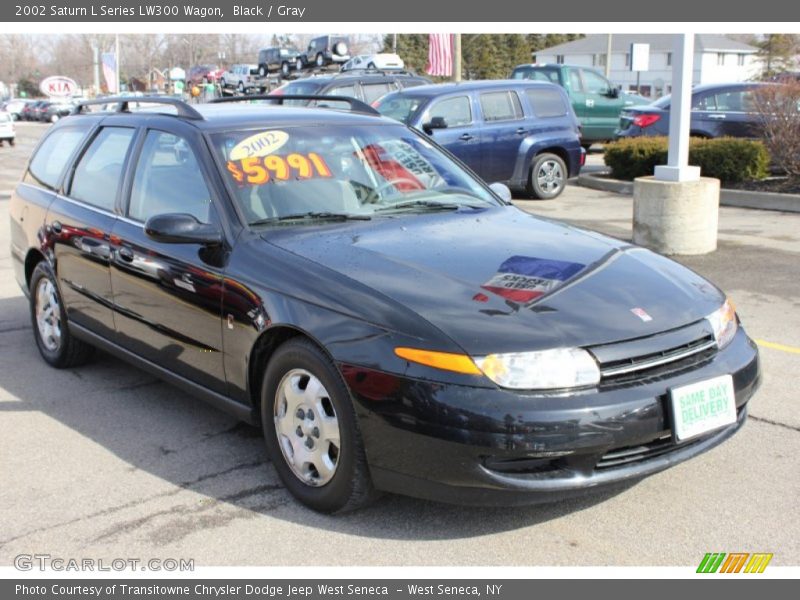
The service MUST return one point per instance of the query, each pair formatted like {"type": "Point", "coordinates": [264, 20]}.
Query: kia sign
{"type": "Point", "coordinates": [58, 87]}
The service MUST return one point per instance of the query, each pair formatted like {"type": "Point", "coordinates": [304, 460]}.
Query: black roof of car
{"type": "Point", "coordinates": [245, 113]}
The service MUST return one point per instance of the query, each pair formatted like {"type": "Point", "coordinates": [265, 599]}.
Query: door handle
{"type": "Point", "coordinates": [56, 227]}
{"type": "Point", "coordinates": [465, 136]}
{"type": "Point", "coordinates": [125, 254]}
{"type": "Point", "coordinates": [716, 116]}
{"type": "Point", "coordinates": [521, 131]}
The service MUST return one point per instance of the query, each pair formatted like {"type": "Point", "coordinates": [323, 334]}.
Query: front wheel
{"type": "Point", "coordinates": [299, 64]}
{"type": "Point", "coordinates": [285, 69]}
{"type": "Point", "coordinates": [262, 72]}
{"type": "Point", "coordinates": [311, 431]}
{"type": "Point", "coordinates": [320, 60]}
{"type": "Point", "coordinates": [49, 318]}
{"type": "Point", "coordinates": [548, 176]}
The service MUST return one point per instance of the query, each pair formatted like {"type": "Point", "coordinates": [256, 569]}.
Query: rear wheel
{"type": "Point", "coordinates": [49, 318]}
{"type": "Point", "coordinates": [262, 72]}
{"type": "Point", "coordinates": [548, 176]}
{"type": "Point", "coordinates": [311, 431]}
{"type": "Point", "coordinates": [320, 60]}
{"type": "Point", "coordinates": [240, 88]}
{"type": "Point", "coordinates": [299, 64]}
{"type": "Point", "coordinates": [285, 69]}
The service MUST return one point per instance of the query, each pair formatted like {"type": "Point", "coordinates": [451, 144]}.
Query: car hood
{"type": "Point", "coordinates": [501, 280]}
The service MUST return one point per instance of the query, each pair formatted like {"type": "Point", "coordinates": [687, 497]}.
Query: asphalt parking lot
{"type": "Point", "coordinates": [105, 461]}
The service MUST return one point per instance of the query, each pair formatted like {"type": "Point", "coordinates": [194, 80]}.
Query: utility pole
{"type": "Point", "coordinates": [394, 43]}
{"type": "Point", "coordinates": [608, 57]}
{"type": "Point", "coordinates": [457, 57]}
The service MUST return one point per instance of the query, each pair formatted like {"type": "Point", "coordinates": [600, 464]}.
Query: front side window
{"type": "Point", "coordinates": [595, 84]}
{"type": "Point", "coordinates": [49, 161]}
{"type": "Point", "coordinates": [360, 171]}
{"type": "Point", "coordinates": [97, 176]}
{"type": "Point", "coordinates": [456, 112]}
{"type": "Point", "coordinates": [575, 80]}
{"type": "Point", "coordinates": [168, 179]}
{"type": "Point", "coordinates": [500, 106]}
{"type": "Point", "coordinates": [400, 107]}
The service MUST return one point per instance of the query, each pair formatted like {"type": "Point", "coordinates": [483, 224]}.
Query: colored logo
{"type": "Point", "coordinates": [642, 314]}
{"type": "Point", "coordinates": [734, 562]}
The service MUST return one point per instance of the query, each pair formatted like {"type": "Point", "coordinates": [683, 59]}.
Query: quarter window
{"type": "Point", "coordinates": [500, 106]}
{"type": "Point", "coordinates": [168, 180]}
{"type": "Point", "coordinates": [49, 162]}
{"type": "Point", "coordinates": [99, 171]}
{"type": "Point", "coordinates": [373, 91]}
{"type": "Point", "coordinates": [456, 112]}
{"type": "Point", "coordinates": [546, 103]}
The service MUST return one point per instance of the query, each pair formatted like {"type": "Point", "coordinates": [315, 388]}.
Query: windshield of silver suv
{"type": "Point", "coordinates": [335, 171]}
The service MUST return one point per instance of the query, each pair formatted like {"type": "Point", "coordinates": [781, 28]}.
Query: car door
{"type": "Point", "coordinates": [573, 83]}
{"type": "Point", "coordinates": [461, 135]}
{"type": "Point", "coordinates": [81, 223]}
{"type": "Point", "coordinates": [168, 296]}
{"type": "Point", "coordinates": [503, 129]}
{"type": "Point", "coordinates": [735, 113]}
{"type": "Point", "coordinates": [602, 107]}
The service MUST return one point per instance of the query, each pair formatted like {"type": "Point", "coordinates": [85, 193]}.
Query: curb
{"type": "Point", "coordinates": [737, 198]}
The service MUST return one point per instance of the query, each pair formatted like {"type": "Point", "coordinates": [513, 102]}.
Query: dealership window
{"type": "Point", "coordinates": [669, 59]}
{"type": "Point", "coordinates": [720, 59]}
{"type": "Point", "coordinates": [560, 59]}
{"type": "Point", "coordinates": [740, 60]}
{"type": "Point", "coordinates": [598, 60]}
{"type": "Point", "coordinates": [627, 59]}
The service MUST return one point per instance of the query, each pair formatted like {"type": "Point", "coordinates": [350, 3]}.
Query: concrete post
{"type": "Point", "coordinates": [677, 211]}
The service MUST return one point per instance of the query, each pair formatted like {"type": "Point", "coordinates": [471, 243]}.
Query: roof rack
{"type": "Point", "coordinates": [375, 71]}
{"type": "Point", "coordinates": [182, 109]}
{"type": "Point", "coordinates": [355, 105]}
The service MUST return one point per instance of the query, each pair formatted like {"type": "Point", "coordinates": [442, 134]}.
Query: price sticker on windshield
{"type": "Point", "coordinates": [258, 170]}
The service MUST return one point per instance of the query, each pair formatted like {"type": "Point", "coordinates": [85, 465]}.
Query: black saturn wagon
{"type": "Point", "coordinates": [392, 322]}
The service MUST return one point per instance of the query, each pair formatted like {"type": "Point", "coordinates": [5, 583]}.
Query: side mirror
{"type": "Point", "coordinates": [501, 189]}
{"type": "Point", "coordinates": [182, 228]}
{"type": "Point", "coordinates": [613, 92]}
{"type": "Point", "coordinates": [434, 123]}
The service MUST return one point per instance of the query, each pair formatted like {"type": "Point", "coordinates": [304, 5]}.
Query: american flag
{"type": "Point", "coordinates": [109, 60]}
{"type": "Point", "coordinates": [440, 54]}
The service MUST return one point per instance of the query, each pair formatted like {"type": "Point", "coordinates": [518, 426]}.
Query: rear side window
{"type": "Point", "coordinates": [49, 162]}
{"type": "Point", "coordinates": [549, 75]}
{"type": "Point", "coordinates": [500, 106]}
{"type": "Point", "coordinates": [546, 102]}
{"type": "Point", "coordinates": [456, 112]}
{"type": "Point", "coordinates": [168, 180]}
{"type": "Point", "coordinates": [98, 172]}
{"type": "Point", "coordinates": [373, 91]}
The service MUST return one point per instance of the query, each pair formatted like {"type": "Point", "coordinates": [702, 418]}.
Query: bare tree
{"type": "Point", "coordinates": [778, 110]}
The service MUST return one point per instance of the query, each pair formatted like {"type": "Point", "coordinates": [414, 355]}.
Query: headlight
{"type": "Point", "coordinates": [723, 322]}
{"type": "Point", "coordinates": [546, 369]}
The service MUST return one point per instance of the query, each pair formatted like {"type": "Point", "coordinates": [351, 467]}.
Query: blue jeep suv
{"type": "Point", "coordinates": [522, 134]}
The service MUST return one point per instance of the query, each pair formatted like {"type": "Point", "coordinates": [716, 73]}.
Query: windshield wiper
{"type": "Point", "coordinates": [426, 204]}
{"type": "Point", "coordinates": [322, 215]}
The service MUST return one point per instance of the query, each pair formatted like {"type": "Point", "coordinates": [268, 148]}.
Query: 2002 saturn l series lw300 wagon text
{"type": "Point", "coordinates": [390, 321]}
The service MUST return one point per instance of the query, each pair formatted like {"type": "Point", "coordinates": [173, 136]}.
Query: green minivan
{"type": "Point", "coordinates": [596, 102]}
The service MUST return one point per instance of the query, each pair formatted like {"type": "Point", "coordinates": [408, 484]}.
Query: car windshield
{"type": "Point", "coordinates": [400, 107]}
{"type": "Point", "coordinates": [317, 172]}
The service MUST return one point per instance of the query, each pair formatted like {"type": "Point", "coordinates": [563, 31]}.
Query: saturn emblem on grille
{"type": "Point", "coordinates": [642, 314]}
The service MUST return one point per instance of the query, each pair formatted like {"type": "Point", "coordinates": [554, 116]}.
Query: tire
{"type": "Point", "coordinates": [285, 69]}
{"type": "Point", "coordinates": [262, 72]}
{"type": "Point", "coordinates": [222, 83]}
{"type": "Point", "coordinates": [14, 117]}
{"type": "Point", "coordinates": [54, 119]}
{"type": "Point", "coordinates": [320, 61]}
{"type": "Point", "coordinates": [299, 64]}
{"type": "Point", "coordinates": [240, 88]}
{"type": "Point", "coordinates": [11, 142]}
{"type": "Point", "coordinates": [57, 346]}
{"type": "Point", "coordinates": [548, 176]}
{"type": "Point", "coordinates": [343, 484]}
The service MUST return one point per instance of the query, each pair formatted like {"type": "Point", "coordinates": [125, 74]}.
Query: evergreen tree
{"type": "Point", "coordinates": [778, 51]}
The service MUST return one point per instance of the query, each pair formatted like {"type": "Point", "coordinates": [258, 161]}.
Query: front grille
{"type": "Point", "coordinates": [655, 355]}
{"type": "Point", "coordinates": [631, 454]}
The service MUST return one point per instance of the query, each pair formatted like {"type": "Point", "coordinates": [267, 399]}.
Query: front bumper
{"type": "Point", "coordinates": [490, 446]}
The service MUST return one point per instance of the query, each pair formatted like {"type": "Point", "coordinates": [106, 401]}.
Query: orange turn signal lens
{"type": "Point", "coordinates": [447, 361]}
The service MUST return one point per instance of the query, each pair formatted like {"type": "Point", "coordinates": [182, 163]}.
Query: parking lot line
{"type": "Point", "coordinates": [782, 347]}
